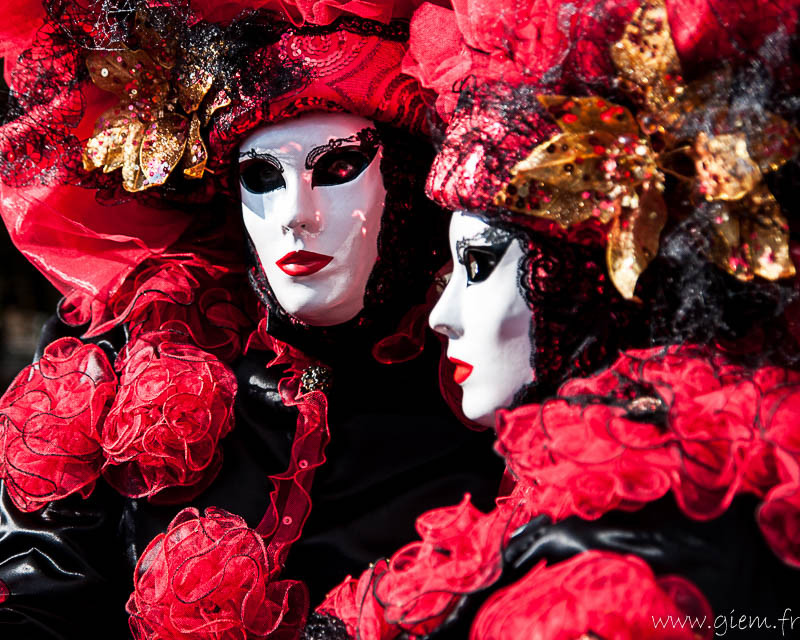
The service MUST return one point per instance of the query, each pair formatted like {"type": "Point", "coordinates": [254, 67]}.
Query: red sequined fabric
{"type": "Point", "coordinates": [50, 421]}
{"type": "Point", "coordinates": [210, 577]}
{"type": "Point", "coordinates": [174, 404]}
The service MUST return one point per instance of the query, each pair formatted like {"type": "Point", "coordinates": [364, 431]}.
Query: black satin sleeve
{"type": "Point", "coordinates": [726, 558]}
{"type": "Point", "coordinates": [63, 569]}
{"type": "Point", "coordinates": [63, 566]}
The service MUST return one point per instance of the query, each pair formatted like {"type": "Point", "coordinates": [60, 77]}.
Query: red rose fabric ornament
{"type": "Point", "coordinates": [354, 603]}
{"type": "Point", "coordinates": [174, 404]}
{"type": "Point", "coordinates": [677, 419]}
{"type": "Point", "coordinates": [209, 577]}
{"type": "Point", "coordinates": [50, 420]}
{"type": "Point", "coordinates": [594, 595]}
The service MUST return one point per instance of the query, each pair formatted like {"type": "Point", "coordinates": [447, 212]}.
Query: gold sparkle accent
{"type": "Point", "coordinates": [603, 164]}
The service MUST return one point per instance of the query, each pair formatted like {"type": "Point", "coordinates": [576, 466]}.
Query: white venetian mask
{"type": "Point", "coordinates": [312, 200]}
{"type": "Point", "coordinates": [485, 317]}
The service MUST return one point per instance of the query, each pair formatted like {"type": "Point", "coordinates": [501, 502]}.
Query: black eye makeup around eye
{"type": "Point", "coordinates": [482, 253]}
{"type": "Point", "coordinates": [339, 166]}
{"type": "Point", "coordinates": [260, 172]}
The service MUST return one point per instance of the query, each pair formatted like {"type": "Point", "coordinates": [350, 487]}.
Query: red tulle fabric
{"type": "Point", "coordinates": [21, 19]}
{"type": "Point", "coordinates": [600, 594]}
{"type": "Point", "coordinates": [210, 577]}
{"type": "Point", "coordinates": [354, 603]}
{"type": "Point", "coordinates": [459, 554]}
{"type": "Point", "coordinates": [290, 500]}
{"type": "Point", "coordinates": [50, 420]}
{"type": "Point", "coordinates": [174, 404]}
{"type": "Point", "coordinates": [196, 294]}
{"type": "Point", "coordinates": [726, 430]}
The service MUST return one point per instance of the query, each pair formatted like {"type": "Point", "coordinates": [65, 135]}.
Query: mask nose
{"type": "Point", "coordinates": [302, 213]}
{"type": "Point", "coordinates": [445, 316]}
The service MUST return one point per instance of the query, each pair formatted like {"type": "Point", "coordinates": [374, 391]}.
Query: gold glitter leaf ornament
{"type": "Point", "coordinates": [604, 165]}
{"type": "Point", "coordinates": [600, 167]}
{"type": "Point", "coordinates": [157, 124]}
{"type": "Point", "coordinates": [633, 240]}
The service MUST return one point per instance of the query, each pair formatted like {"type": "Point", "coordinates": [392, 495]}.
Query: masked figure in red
{"type": "Point", "coordinates": [622, 310]}
{"type": "Point", "coordinates": [225, 456]}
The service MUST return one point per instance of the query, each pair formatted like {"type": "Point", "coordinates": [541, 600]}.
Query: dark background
{"type": "Point", "coordinates": [27, 298]}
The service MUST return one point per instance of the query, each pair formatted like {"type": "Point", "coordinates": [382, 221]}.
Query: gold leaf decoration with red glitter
{"type": "Point", "coordinates": [157, 123]}
{"type": "Point", "coordinates": [604, 164]}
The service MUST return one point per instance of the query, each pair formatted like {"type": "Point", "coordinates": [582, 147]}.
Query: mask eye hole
{"type": "Point", "coordinates": [338, 167]}
{"type": "Point", "coordinates": [260, 176]}
{"type": "Point", "coordinates": [479, 263]}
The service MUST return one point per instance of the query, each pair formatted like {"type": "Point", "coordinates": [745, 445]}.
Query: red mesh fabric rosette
{"type": "Point", "coordinates": [193, 292]}
{"type": "Point", "coordinates": [174, 404]}
{"type": "Point", "coordinates": [459, 554]}
{"type": "Point", "coordinates": [210, 577]}
{"type": "Point", "coordinates": [595, 595]}
{"type": "Point", "coordinates": [50, 420]}
{"type": "Point", "coordinates": [354, 603]}
{"type": "Point", "coordinates": [663, 420]}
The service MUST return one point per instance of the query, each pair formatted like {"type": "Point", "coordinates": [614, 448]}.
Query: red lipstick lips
{"type": "Point", "coordinates": [463, 370]}
{"type": "Point", "coordinates": [302, 263]}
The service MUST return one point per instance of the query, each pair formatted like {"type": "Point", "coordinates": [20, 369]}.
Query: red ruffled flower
{"type": "Point", "coordinates": [174, 404]}
{"type": "Point", "coordinates": [597, 593]}
{"type": "Point", "coordinates": [353, 602]}
{"type": "Point", "coordinates": [208, 577]}
{"type": "Point", "coordinates": [198, 296]}
{"type": "Point", "coordinates": [658, 420]}
{"type": "Point", "coordinates": [459, 553]}
{"type": "Point", "coordinates": [49, 424]}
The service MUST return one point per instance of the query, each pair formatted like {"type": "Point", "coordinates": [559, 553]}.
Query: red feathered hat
{"type": "Point", "coordinates": [564, 113]}
{"type": "Point", "coordinates": [108, 99]}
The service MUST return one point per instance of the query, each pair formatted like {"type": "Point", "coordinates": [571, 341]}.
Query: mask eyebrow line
{"type": "Point", "coordinates": [491, 238]}
{"type": "Point", "coordinates": [365, 140]}
{"type": "Point", "coordinates": [253, 154]}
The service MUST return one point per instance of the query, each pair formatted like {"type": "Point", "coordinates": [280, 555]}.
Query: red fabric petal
{"type": "Point", "coordinates": [49, 424]}
{"type": "Point", "coordinates": [301, 12]}
{"type": "Point", "coordinates": [459, 553]}
{"type": "Point", "coordinates": [4, 592]}
{"type": "Point", "coordinates": [596, 593]}
{"type": "Point", "coordinates": [354, 603]}
{"type": "Point", "coordinates": [711, 30]}
{"type": "Point", "coordinates": [210, 577]}
{"type": "Point", "coordinates": [174, 404]}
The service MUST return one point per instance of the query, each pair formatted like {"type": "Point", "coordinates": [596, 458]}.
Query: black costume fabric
{"type": "Point", "coordinates": [77, 556]}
